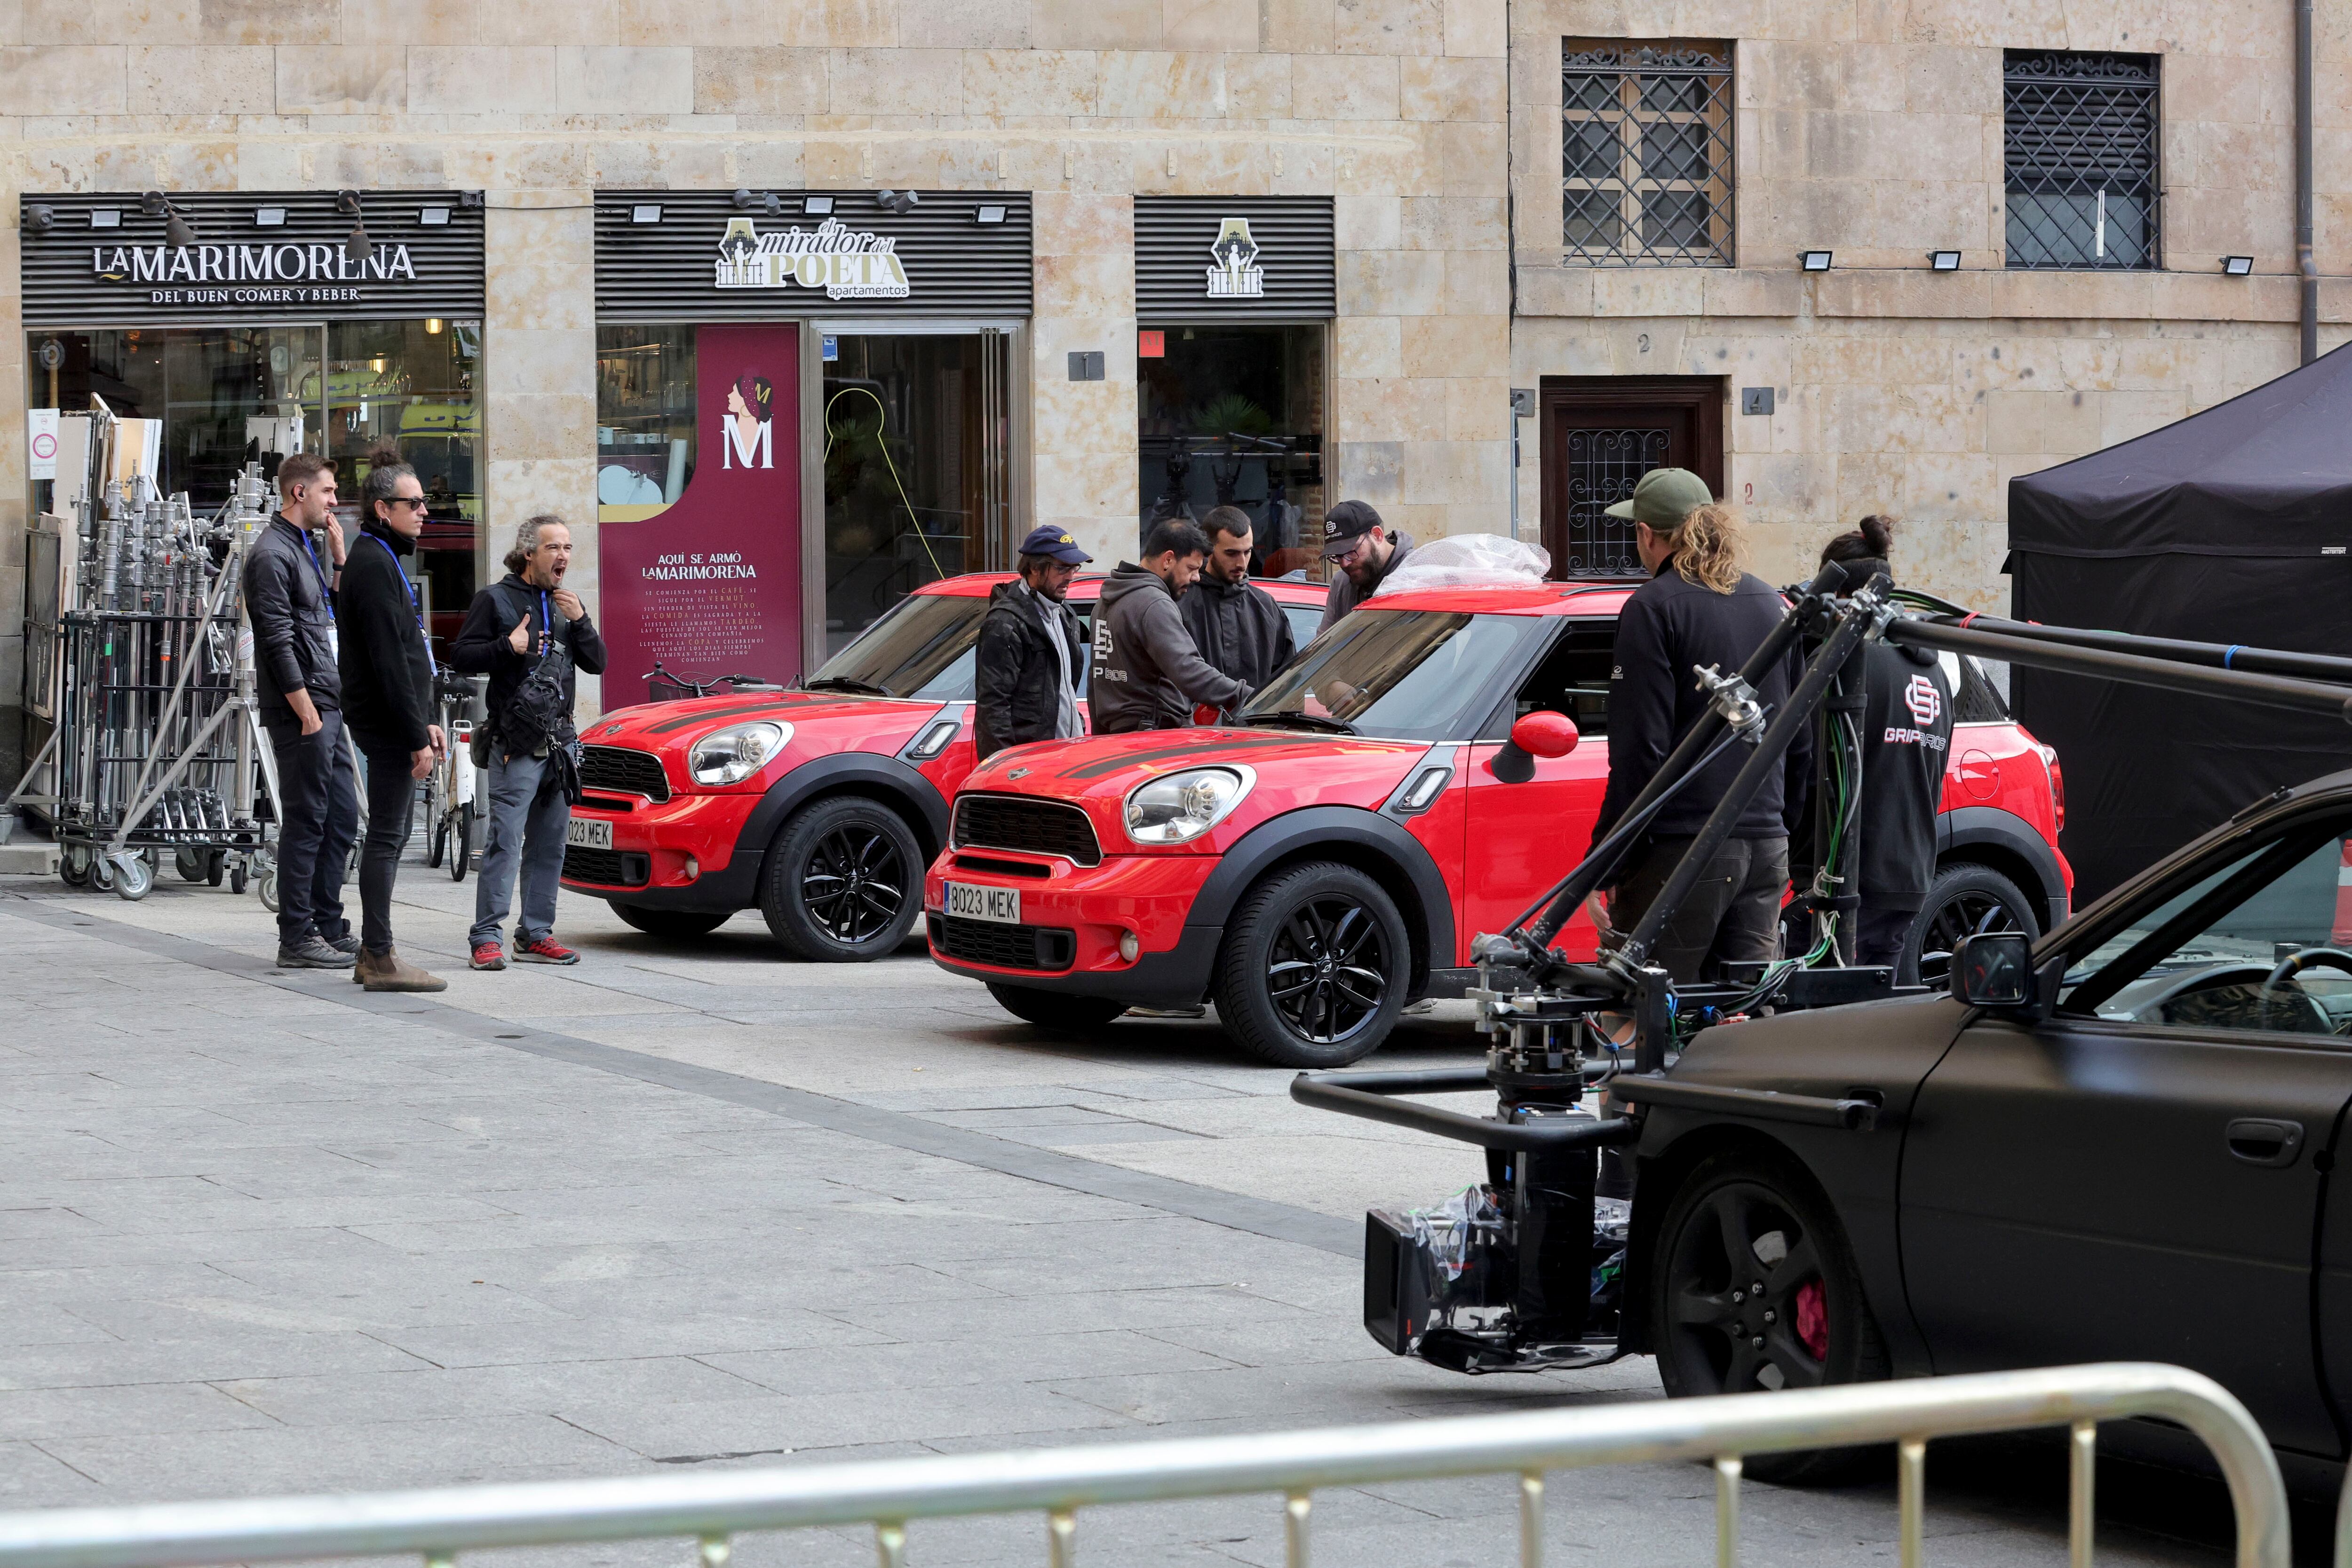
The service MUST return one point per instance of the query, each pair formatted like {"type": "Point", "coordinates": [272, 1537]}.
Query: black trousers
{"type": "Point", "coordinates": [390, 792]}
{"type": "Point", "coordinates": [1878, 937]}
{"type": "Point", "coordinates": [1733, 913]}
{"type": "Point", "coordinates": [318, 817]}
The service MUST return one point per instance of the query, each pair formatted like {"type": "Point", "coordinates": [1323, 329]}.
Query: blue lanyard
{"type": "Point", "coordinates": [546, 623]}
{"type": "Point", "coordinates": [414, 602]}
{"type": "Point", "coordinates": [326, 590]}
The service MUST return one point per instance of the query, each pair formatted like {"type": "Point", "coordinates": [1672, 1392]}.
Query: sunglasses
{"type": "Point", "coordinates": [416, 501]}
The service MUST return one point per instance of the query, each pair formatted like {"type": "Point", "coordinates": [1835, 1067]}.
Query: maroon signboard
{"type": "Point", "coordinates": [710, 583]}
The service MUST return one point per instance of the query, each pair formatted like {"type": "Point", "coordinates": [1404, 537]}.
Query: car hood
{"type": "Point", "coordinates": [822, 723]}
{"type": "Point", "coordinates": [1293, 769]}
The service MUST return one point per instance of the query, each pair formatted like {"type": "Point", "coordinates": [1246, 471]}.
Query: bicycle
{"type": "Point", "coordinates": [663, 687]}
{"type": "Point", "coordinates": [450, 812]}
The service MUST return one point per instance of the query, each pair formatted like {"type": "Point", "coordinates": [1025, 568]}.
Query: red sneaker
{"type": "Point", "coordinates": [486, 956]}
{"type": "Point", "coordinates": [543, 950]}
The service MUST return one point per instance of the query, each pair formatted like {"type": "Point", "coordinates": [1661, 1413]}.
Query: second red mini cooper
{"type": "Point", "coordinates": [819, 806]}
{"type": "Point", "coordinates": [1403, 785]}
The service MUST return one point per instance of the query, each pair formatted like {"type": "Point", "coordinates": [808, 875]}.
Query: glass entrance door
{"type": "Point", "coordinates": [915, 434]}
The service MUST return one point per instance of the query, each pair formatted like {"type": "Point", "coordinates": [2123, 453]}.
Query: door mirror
{"type": "Point", "coordinates": [1993, 969]}
{"type": "Point", "coordinates": [1545, 734]}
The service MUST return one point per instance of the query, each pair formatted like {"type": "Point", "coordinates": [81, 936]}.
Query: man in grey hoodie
{"type": "Point", "coordinates": [1363, 552]}
{"type": "Point", "coordinates": [1146, 673]}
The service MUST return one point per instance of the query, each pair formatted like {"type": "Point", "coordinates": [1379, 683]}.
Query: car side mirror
{"type": "Point", "coordinates": [1993, 969]}
{"type": "Point", "coordinates": [1545, 734]}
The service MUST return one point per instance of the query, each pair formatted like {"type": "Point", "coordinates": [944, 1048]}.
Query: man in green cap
{"type": "Point", "coordinates": [1699, 608]}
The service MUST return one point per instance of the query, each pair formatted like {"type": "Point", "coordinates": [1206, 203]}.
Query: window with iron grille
{"type": "Point", "coordinates": [1645, 142]}
{"type": "Point", "coordinates": [2081, 144]}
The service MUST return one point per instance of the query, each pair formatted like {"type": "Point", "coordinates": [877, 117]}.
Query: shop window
{"type": "Point", "coordinates": [915, 478]}
{"type": "Point", "coordinates": [1233, 415]}
{"type": "Point", "coordinates": [1645, 140]}
{"type": "Point", "coordinates": [2081, 154]}
{"type": "Point", "coordinates": [645, 420]}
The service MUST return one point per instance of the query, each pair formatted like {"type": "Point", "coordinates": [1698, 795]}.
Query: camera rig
{"type": "Point", "coordinates": [1520, 1272]}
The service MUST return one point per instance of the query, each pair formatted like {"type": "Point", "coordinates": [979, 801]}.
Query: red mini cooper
{"type": "Point", "coordinates": [1404, 784]}
{"type": "Point", "coordinates": [818, 806]}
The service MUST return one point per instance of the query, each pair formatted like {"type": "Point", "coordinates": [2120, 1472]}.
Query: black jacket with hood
{"type": "Point", "coordinates": [1669, 625]}
{"type": "Point", "coordinates": [1906, 740]}
{"type": "Point", "coordinates": [293, 615]}
{"type": "Point", "coordinates": [387, 670]}
{"type": "Point", "coordinates": [1345, 595]}
{"type": "Point", "coordinates": [1146, 673]}
{"type": "Point", "coordinates": [1238, 628]}
{"type": "Point", "coordinates": [1016, 676]}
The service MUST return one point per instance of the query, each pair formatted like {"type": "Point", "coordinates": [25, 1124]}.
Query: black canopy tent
{"type": "Point", "coordinates": [2231, 526]}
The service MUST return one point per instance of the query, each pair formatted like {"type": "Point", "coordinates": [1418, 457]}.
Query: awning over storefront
{"type": "Point", "coordinates": [2232, 526]}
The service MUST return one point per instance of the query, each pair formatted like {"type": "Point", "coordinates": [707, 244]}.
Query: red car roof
{"type": "Point", "coordinates": [1542, 599]}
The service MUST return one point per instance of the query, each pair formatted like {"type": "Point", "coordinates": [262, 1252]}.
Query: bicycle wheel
{"type": "Point", "coordinates": [436, 813]}
{"type": "Point", "coordinates": [461, 848]}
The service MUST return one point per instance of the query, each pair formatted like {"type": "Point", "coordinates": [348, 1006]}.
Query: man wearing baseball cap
{"type": "Point", "coordinates": [1361, 553]}
{"type": "Point", "coordinates": [1025, 669]}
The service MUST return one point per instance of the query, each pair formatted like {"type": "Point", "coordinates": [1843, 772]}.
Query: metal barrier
{"type": "Point", "coordinates": [888, 1494]}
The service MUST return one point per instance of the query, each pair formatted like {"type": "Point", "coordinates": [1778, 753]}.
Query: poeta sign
{"type": "Point", "coordinates": [846, 263]}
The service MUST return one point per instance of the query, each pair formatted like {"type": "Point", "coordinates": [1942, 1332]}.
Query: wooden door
{"type": "Point", "coordinates": [1601, 433]}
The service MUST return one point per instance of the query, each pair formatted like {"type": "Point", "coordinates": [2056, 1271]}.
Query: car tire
{"type": "Point", "coordinates": [671, 924]}
{"type": "Point", "coordinates": [1964, 899]}
{"type": "Point", "coordinates": [1704, 1326]}
{"type": "Point", "coordinates": [1057, 1010]}
{"type": "Point", "coordinates": [844, 882]}
{"type": "Point", "coordinates": [1290, 978]}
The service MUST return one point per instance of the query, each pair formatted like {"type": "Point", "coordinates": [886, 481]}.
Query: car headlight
{"type": "Point", "coordinates": [1182, 806]}
{"type": "Point", "coordinates": [732, 754]}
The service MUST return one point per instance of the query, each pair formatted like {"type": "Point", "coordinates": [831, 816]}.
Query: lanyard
{"type": "Point", "coordinates": [546, 623]}
{"type": "Point", "coordinates": [414, 602]}
{"type": "Point", "coordinates": [325, 592]}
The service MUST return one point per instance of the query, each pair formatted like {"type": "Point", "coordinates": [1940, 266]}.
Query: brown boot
{"type": "Point", "coordinates": [391, 973]}
{"type": "Point", "coordinates": [368, 964]}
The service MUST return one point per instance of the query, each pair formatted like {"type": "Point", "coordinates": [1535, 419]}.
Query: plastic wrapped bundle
{"type": "Point", "coordinates": [1469, 560]}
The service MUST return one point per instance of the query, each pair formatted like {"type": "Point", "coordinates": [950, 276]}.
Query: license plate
{"type": "Point", "coordinates": [588, 833]}
{"type": "Point", "coordinates": [1001, 905]}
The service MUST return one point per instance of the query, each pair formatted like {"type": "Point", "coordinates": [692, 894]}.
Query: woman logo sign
{"type": "Point", "coordinates": [748, 428]}
{"type": "Point", "coordinates": [846, 264]}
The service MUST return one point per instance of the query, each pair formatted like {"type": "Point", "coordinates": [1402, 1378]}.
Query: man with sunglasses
{"type": "Point", "coordinates": [387, 680]}
{"type": "Point", "coordinates": [1362, 552]}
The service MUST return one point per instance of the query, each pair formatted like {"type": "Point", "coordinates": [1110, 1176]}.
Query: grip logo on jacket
{"type": "Point", "coordinates": [1105, 652]}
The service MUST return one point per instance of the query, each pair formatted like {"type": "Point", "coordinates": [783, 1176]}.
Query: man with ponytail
{"type": "Point", "coordinates": [1699, 607]}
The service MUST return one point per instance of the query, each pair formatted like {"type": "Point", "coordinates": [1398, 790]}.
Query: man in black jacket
{"type": "Point", "coordinates": [387, 677]}
{"type": "Point", "coordinates": [290, 601]}
{"type": "Point", "coordinates": [1362, 551]}
{"type": "Point", "coordinates": [1146, 672]}
{"type": "Point", "coordinates": [509, 627]}
{"type": "Point", "coordinates": [1027, 668]}
{"type": "Point", "coordinates": [1237, 626]}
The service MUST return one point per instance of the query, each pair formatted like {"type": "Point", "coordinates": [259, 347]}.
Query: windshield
{"type": "Point", "coordinates": [1407, 674]}
{"type": "Point", "coordinates": [921, 648]}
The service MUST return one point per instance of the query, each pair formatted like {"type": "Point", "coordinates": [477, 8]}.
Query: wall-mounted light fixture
{"type": "Point", "coordinates": [989, 212]}
{"type": "Point", "coordinates": [106, 218]}
{"type": "Point", "coordinates": [764, 200]}
{"type": "Point", "coordinates": [39, 217]}
{"type": "Point", "coordinates": [1944, 261]}
{"type": "Point", "coordinates": [2237, 266]}
{"type": "Point", "coordinates": [433, 217]}
{"type": "Point", "coordinates": [433, 326]}
{"type": "Point", "coordinates": [269, 217]}
{"type": "Point", "coordinates": [177, 229]}
{"type": "Point", "coordinates": [818, 206]}
{"type": "Point", "coordinates": [898, 202]}
{"type": "Point", "coordinates": [645, 212]}
{"type": "Point", "coordinates": [356, 248]}
{"type": "Point", "coordinates": [1813, 260]}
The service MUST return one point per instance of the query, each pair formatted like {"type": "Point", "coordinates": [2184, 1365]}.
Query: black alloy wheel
{"type": "Point", "coordinates": [1315, 967]}
{"type": "Point", "coordinates": [1965, 900]}
{"type": "Point", "coordinates": [671, 924]}
{"type": "Point", "coordinates": [843, 881]}
{"type": "Point", "coordinates": [1753, 1289]}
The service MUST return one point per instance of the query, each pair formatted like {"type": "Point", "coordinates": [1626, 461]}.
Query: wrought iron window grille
{"type": "Point", "coordinates": [2083, 187]}
{"type": "Point", "coordinates": [1645, 152]}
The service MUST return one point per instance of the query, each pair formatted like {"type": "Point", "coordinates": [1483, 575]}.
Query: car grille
{"type": "Point", "coordinates": [617, 768]}
{"type": "Point", "coordinates": [1041, 947]}
{"type": "Point", "coordinates": [1020, 822]}
{"type": "Point", "coordinates": [605, 868]}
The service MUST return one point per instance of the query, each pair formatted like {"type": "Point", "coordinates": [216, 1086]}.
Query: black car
{"type": "Point", "coordinates": [2130, 1159]}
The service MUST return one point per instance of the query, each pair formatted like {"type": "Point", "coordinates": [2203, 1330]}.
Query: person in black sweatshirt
{"type": "Point", "coordinates": [1699, 608]}
{"type": "Point", "coordinates": [387, 681]}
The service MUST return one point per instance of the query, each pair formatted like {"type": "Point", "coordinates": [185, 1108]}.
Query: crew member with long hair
{"type": "Point", "coordinates": [1700, 607]}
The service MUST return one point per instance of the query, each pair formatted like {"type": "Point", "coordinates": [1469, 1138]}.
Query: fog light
{"type": "Point", "coordinates": [1129, 947]}
{"type": "Point", "coordinates": [693, 868]}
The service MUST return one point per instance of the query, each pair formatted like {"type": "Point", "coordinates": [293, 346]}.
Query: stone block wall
{"type": "Point", "coordinates": [1877, 132]}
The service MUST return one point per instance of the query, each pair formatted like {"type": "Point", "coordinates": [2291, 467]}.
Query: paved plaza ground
{"type": "Point", "coordinates": [692, 1205]}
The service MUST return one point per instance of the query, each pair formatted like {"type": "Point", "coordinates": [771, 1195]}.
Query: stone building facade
{"type": "Point", "coordinates": [1881, 134]}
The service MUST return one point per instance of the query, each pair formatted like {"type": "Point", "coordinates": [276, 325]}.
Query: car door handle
{"type": "Point", "coordinates": [2259, 1140]}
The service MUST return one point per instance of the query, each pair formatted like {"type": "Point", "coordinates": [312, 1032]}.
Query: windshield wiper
{"type": "Point", "coordinates": [1310, 720]}
{"type": "Point", "coordinates": [843, 683]}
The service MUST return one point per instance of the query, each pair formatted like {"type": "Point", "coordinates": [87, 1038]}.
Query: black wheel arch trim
{"type": "Point", "coordinates": [1299, 835]}
{"type": "Point", "coordinates": [1988, 827]}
